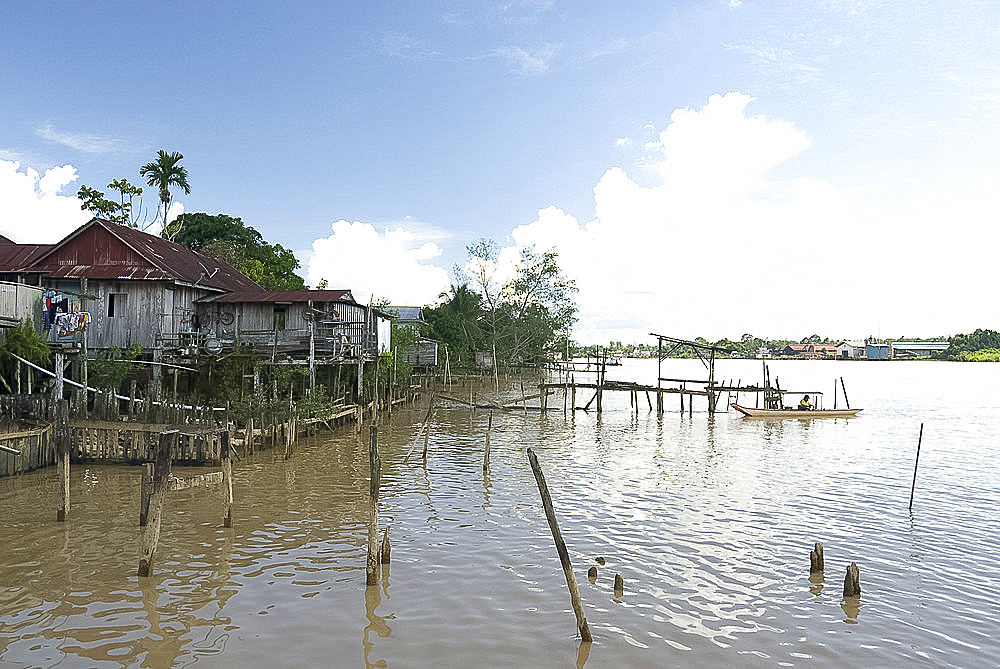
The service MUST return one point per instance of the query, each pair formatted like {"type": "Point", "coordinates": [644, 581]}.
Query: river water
{"type": "Point", "coordinates": [709, 521]}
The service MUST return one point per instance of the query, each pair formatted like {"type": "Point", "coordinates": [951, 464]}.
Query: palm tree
{"type": "Point", "coordinates": [162, 174]}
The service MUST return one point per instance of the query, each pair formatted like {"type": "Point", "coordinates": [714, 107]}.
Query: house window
{"type": "Point", "coordinates": [117, 304]}
{"type": "Point", "coordinates": [279, 318]}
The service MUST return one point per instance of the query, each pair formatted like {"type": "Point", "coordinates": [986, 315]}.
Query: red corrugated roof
{"type": "Point", "coordinates": [17, 257]}
{"type": "Point", "coordinates": [104, 250]}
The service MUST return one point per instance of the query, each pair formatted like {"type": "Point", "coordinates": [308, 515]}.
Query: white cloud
{"type": "Point", "coordinates": [393, 264]}
{"type": "Point", "coordinates": [32, 208]}
{"type": "Point", "coordinates": [85, 143]}
{"type": "Point", "coordinates": [717, 249]}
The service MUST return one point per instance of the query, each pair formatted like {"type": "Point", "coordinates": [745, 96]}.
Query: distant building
{"type": "Point", "coordinates": [917, 349]}
{"type": "Point", "coordinates": [851, 350]}
{"type": "Point", "coordinates": [810, 351]}
{"type": "Point", "coordinates": [876, 351]}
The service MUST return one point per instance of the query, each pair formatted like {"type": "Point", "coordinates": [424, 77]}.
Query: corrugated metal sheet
{"type": "Point", "coordinates": [104, 250]}
{"type": "Point", "coordinates": [279, 296]}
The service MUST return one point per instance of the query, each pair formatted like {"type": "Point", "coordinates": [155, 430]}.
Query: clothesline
{"type": "Point", "coordinates": [117, 396]}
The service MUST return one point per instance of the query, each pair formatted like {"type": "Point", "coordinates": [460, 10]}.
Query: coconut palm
{"type": "Point", "coordinates": [162, 174]}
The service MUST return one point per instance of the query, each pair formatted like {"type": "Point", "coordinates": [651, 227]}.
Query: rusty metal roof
{"type": "Point", "coordinates": [104, 250]}
{"type": "Point", "coordinates": [281, 296]}
{"type": "Point", "coordinates": [17, 257]}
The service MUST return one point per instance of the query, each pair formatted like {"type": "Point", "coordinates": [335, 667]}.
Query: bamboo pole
{"type": "Point", "coordinates": [915, 463]}
{"type": "Point", "coordinates": [844, 388]}
{"type": "Point", "coordinates": [550, 515]}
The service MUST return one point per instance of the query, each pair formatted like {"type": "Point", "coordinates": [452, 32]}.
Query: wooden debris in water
{"type": "Point", "coordinates": [816, 559]}
{"type": "Point", "coordinates": [619, 586]}
{"type": "Point", "coordinates": [852, 582]}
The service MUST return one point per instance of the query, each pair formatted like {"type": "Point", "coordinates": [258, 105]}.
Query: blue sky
{"type": "Point", "coordinates": [703, 168]}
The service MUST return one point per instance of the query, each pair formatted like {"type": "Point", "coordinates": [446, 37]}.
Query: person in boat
{"type": "Point", "coordinates": [805, 404]}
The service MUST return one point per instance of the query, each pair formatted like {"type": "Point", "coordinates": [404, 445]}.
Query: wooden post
{"type": "Point", "coordinates": [852, 582]}
{"type": "Point", "coordinates": [145, 490]}
{"type": "Point", "coordinates": [486, 456]}
{"type": "Point", "coordinates": [225, 454]}
{"type": "Point", "coordinates": [572, 402]}
{"type": "Point", "coordinates": [375, 467]}
{"type": "Point", "coordinates": [844, 388]}
{"type": "Point", "coordinates": [915, 463]}
{"type": "Point", "coordinates": [384, 557]}
{"type": "Point", "coordinates": [550, 515]}
{"type": "Point", "coordinates": [62, 453]}
{"type": "Point", "coordinates": [816, 559]}
{"type": "Point", "coordinates": [619, 586]}
{"type": "Point", "coordinates": [161, 475]}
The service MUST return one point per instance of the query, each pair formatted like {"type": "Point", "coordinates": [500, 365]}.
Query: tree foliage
{"type": "Point", "coordinates": [110, 367]}
{"type": "Point", "coordinates": [972, 347]}
{"type": "Point", "coordinates": [165, 173]}
{"type": "Point", "coordinates": [231, 240]}
{"type": "Point", "coordinates": [522, 319]}
{"type": "Point", "coordinates": [120, 212]}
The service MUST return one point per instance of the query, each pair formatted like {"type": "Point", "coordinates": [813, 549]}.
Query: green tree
{"type": "Point", "coordinates": [163, 174]}
{"type": "Point", "coordinates": [455, 323]}
{"type": "Point", "coordinates": [231, 240]}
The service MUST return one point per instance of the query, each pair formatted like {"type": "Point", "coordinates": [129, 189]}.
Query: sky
{"type": "Point", "coordinates": [702, 168]}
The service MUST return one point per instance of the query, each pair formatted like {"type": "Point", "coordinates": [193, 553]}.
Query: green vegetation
{"type": "Point", "coordinates": [110, 367]}
{"type": "Point", "coordinates": [230, 239]}
{"type": "Point", "coordinates": [523, 320]}
{"type": "Point", "coordinates": [22, 341]}
{"type": "Point", "coordinates": [980, 346]}
{"type": "Point", "coordinates": [162, 174]}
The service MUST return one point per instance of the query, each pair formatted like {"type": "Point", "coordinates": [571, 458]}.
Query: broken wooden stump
{"type": "Point", "coordinates": [816, 559]}
{"type": "Point", "coordinates": [145, 490]}
{"type": "Point", "coordinates": [852, 582]}
{"type": "Point", "coordinates": [384, 557]}
{"type": "Point", "coordinates": [619, 586]}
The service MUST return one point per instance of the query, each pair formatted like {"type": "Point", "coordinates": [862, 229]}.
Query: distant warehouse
{"type": "Point", "coordinates": [917, 349]}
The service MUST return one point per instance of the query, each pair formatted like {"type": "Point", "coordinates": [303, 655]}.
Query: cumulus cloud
{"type": "Point", "coordinates": [717, 249]}
{"type": "Point", "coordinates": [393, 264]}
{"type": "Point", "coordinates": [33, 209]}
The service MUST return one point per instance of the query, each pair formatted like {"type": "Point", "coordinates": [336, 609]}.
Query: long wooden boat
{"type": "Point", "coordinates": [749, 412]}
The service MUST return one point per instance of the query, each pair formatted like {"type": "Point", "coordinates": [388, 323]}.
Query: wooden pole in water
{"type": "Point", "coordinates": [852, 582]}
{"type": "Point", "coordinates": [915, 463]}
{"type": "Point", "coordinates": [161, 475]}
{"type": "Point", "coordinates": [385, 555]}
{"type": "Point", "coordinates": [486, 456]}
{"type": "Point", "coordinates": [145, 490]}
{"type": "Point", "coordinates": [550, 515]}
{"type": "Point", "coordinates": [375, 468]}
{"type": "Point", "coordinates": [227, 479]}
{"type": "Point", "coordinates": [844, 388]}
{"type": "Point", "coordinates": [816, 559]}
{"type": "Point", "coordinates": [62, 453]}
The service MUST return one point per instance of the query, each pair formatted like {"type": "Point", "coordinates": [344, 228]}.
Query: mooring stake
{"type": "Point", "coordinates": [550, 515]}
{"type": "Point", "coordinates": [915, 463]}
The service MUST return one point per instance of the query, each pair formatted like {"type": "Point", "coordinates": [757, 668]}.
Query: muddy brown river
{"type": "Point", "coordinates": [708, 519]}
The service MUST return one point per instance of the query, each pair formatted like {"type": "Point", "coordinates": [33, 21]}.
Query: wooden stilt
{"type": "Point", "coordinates": [852, 582]}
{"type": "Point", "coordinates": [161, 475]}
{"type": "Point", "coordinates": [225, 452]}
{"type": "Point", "coordinates": [375, 469]}
{"type": "Point", "coordinates": [62, 454]}
{"type": "Point", "coordinates": [816, 559]}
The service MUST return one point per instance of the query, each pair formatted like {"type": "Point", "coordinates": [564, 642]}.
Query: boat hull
{"type": "Point", "coordinates": [749, 412]}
